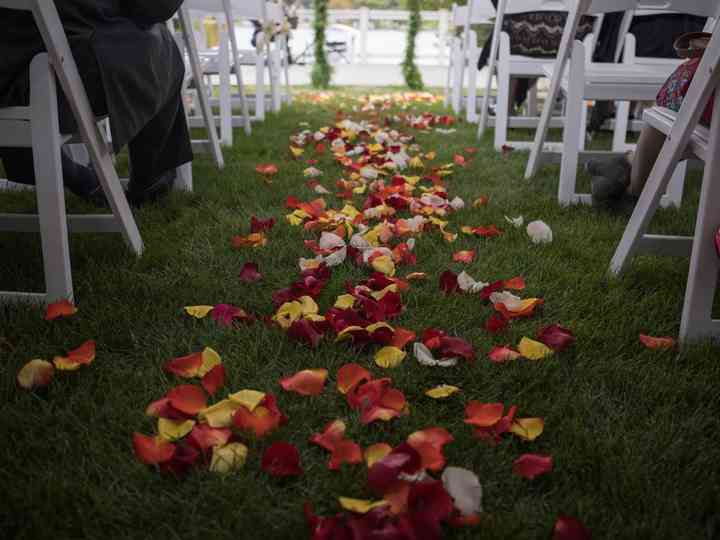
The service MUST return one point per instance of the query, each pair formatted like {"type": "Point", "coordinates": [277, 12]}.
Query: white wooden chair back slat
{"type": "Point", "coordinates": [250, 9]}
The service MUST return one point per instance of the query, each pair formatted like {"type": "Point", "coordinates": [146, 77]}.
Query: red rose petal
{"type": "Point", "coordinates": [449, 282]}
{"type": "Point", "coordinates": [655, 343]}
{"type": "Point", "coordinates": [203, 437]}
{"type": "Point", "coordinates": [282, 459]}
{"type": "Point", "coordinates": [249, 273]}
{"type": "Point", "coordinates": [500, 355]}
{"type": "Point", "coordinates": [496, 323]}
{"type": "Point", "coordinates": [350, 375]}
{"type": "Point", "coordinates": [531, 465]}
{"type": "Point", "coordinates": [556, 337]}
{"type": "Point", "coordinates": [483, 414]}
{"type": "Point", "coordinates": [569, 528]}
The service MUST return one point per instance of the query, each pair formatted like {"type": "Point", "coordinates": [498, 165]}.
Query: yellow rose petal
{"type": "Point", "coordinates": [172, 430]}
{"type": "Point", "coordinates": [385, 265]}
{"type": "Point", "coordinates": [389, 357]}
{"type": "Point", "coordinates": [533, 350]}
{"type": "Point", "coordinates": [360, 506]}
{"type": "Point", "coordinates": [199, 312]}
{"type": "Point", "coordinates": [442, 391]}
{"type": "Point", "coordinates": [528, 429]}
{"type": "Point", "coordinates": [248, 398]}
{"type": "Point", "coordinates": [220, 414]}
{"type": "Point", "coordinates": [376, 452]}
{"type": "Point", "coordinates": [345, 301]}
{"type": "Point", "coordinates": [211, 358]}
{"type": "Point", "coordinates": [228, 458]}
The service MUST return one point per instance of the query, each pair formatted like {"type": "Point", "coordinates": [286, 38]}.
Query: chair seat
{"type": "Point", "coordinates": [618, 81]}
{"type": "Point", "coordinates": [663, 120]}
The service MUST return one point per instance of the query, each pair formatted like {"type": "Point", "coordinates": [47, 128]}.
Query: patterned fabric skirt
{"type": "Point", "coordinates": [673, 92]}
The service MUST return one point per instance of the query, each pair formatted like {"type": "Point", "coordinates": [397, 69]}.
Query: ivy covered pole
{"type": "Point", "coordinates": [413, 78]}
{"type": "Point", "coordinates": [321, 71]}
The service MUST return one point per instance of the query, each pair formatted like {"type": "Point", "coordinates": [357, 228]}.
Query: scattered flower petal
{"type": "Point", "coordinates": [389, 357]}
{"type": "Point", "coordinates": [534, 350]}
{"type": "Point", "coordinates": [570, 528]}
{"type": "Point", "coordinates": [61, 308]}
{"type": "Point", "coordinates": [228, 458]}
{"type": "Point", "coordinates": [442, 391]}
{"type": "Point", "coordinates": [199, 312]}
{"type": "Point", "coordinates": [282, 459]}
{"type": "Point", "coordinates": [655, 343]}
{"type": "Point", "coordinates": [308, 382]}
{"type": "Point", "coordinates": [35, 374]}
{"type": "Point", "coordinates": [532, 465]}
{"type": "Point", "coordinates": [539, 232]}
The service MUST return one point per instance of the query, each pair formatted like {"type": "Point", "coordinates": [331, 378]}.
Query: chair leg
{"type": "Point", "coordinates": [622, 119]}
{"type": "Point", "coordinates": [572, 132]}
{"type": "Point", "coordinates": [238, 66]}
{"type": "Point", "coordinates": [502, 105]}
{"type": "Point", "coordinates": [260, 87]}
{"type": "Point", "coordinates": [184, 180]}
{"type": "Point", "coordinates": [226, 111]}
{"type": "Point", "coordinates": [49, 182]}
{"type": "Point", "coordinates": [471, 103]}
{"type": "Point", "coordinates": [675, 190]}
{"type": "Point", "coordinates": [697, 323]}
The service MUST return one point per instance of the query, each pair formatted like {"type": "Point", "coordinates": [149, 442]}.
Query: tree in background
{"type": "Point", "coordinates": [321, 71]}
{"type": "Point", "coordinates": [413, 78]}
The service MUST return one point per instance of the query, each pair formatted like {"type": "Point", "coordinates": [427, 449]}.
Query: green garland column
{"type": "Point", "coordinates": [321, 71]}
{"type": "Point", "coordinates": [413, 78]}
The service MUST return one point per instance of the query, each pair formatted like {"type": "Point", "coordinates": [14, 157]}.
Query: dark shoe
{"type": "Point", "coordinates": [617, 168]}
{"type": "Point", "coordinates": [159, 189]}
{"type": "Point", "coordinates": [605, 191]}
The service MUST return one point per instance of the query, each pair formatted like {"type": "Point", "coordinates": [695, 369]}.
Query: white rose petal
{"type": "Point", "coordinates": [515, 222]}
{"type": "Point", "coordinates": [330, 240]}
{"type": "Point", "coordinates": [511, 302]}
{"type": "Point", "coordinates": [465, 489]}
{"type": "Point", "coordinates": [425, 357]}
{"type": "Point", "coordinates": [468, 284]}
{"type": "Point", "coordinates": [457, 203]}
{"type": "Point", "coordinates": [336, 258]}
{"type": "Point", "coordinates": [539, 232]}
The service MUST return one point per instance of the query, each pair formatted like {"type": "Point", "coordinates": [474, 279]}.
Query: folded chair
{"type": "Point", "coordinates": [683, 134]}
{"type": "Point", "coordinates": [37, 126]}
{"type": "Point", "coordinates": [579, 80]}
{"type": "Point", "coordinates": [506, 66]}
{"type": "Point", "coordinates": [187, 42]}
{"type": "Point", "coordinates": [221, 10]}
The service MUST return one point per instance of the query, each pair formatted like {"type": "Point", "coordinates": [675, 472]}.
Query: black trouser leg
{"type": "Point", "coordinates": [162, 145]}
{"type": "Point", "coordinates": [18, 163]}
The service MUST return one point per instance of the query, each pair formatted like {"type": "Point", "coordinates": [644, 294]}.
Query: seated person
{"type": "Point", "coordinates": [617, 183]}
{"type": "Point", "coordinates": [535, 34]}
{"type": "Point", "coordinates": [132, 72]}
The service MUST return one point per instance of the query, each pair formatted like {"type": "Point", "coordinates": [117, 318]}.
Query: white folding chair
{"type": "Point", "coordinates": [453, 44]}
{"type": "Point", "coordinates": [629, 55]}
{"type": "Point", "coordinates": [684, 133]}
{"type": "Point", "coordinates": [457, 60]}
{"type": "Point", "coordinates": [506, 66]}
{"type": "Point", "coordinates": [579, 80]}
{"type": "Point", "coordinates": [219, 61]}
{"type": "Point", "coordinates": [187, 42]}
{"type": "Point", "coordinates": [37, 126]}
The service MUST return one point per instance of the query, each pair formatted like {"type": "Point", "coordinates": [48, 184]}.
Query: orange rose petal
{"type": "Point", "coordinates": [214, 379]}
{"type": "Point", "coordinates": [527, 310]}
{"type": "Point", "coordinates": [483, 414]}
{"type": "Point", "coordinates": [429, 444]}
{"type": "Point", "coordinates": [61, 308]}
{"type": "Point", "coordinates": [517, 283]}
{"type": "Point", "coordinates": [402, 337]}
{"type": "Point", "coordinates": [414, 276]}
{"type": "Point", "coordinates": [397, 496]}
{"type": "Point", "coordinates": [345, 451]}
{"type": "Point", "coordinates": [84, 354]}
{"type": "Point", "coordinates": [349, 375]}
{"type": "Point", "coordinates": [464, 256]}
{"type": "Point", "coordinates": [203, 437]}
{"type": "Point", "coordinates": [35, 374]}
{"type": "Point", "coordinates": [376, 452]}
{"type": "Point", "coordinates": [264, 419]}
{"type": "Point", "coordinates": [655, 343]}
{"type": "Point", "coordinates": [185, 366]}
{"type": "Point", "coordinates": [332, 434]}
{"type": "Point", "coordinates": [152, 450]}
{"type": "Point", "coordinates": [187, 398]}
{"type": "Point", "coordinates": [308, 382]}
{"type": "Point", "coordinates": [503, 354]}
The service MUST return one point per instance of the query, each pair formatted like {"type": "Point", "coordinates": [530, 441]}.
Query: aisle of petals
{"type": "Point", "coordinates": [392, 193]}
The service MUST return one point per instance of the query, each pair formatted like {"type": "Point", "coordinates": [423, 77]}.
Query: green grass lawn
{"type": "Point", "coordinates": [633, 432]}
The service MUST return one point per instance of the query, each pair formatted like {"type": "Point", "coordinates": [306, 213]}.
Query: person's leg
{"type": "Point", "coordinates": [18, 163]}
{"type": "Point", "coordinates": [160, 147]}
{"type": "Point", "coordinates": [646, 153]}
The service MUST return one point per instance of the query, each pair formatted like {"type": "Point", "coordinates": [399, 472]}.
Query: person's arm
{"type": "Point", "coordinates": [151, 11]}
